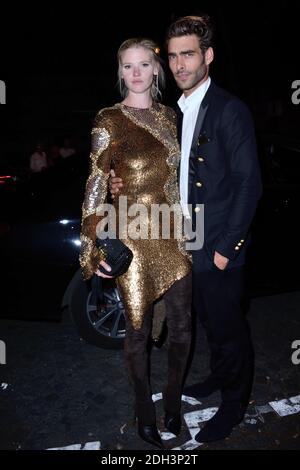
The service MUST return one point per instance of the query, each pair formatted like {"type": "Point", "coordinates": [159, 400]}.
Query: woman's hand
{"type": "Point", "coordinates": [101, 274]}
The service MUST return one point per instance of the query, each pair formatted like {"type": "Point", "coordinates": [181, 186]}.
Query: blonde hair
{"type": "Point", "coordinates": [158, 81]}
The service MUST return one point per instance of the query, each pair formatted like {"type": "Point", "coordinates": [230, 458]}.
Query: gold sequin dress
{"type": "Point", "coordinates": [141, 146]}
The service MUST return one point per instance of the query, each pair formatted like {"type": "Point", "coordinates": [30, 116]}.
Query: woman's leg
{"type": "Point", "coordinates": [178, 310]}
{"type": "Point", "coordinates": [137, 358]}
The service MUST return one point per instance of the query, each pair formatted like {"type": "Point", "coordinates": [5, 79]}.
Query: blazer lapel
{"type": "Point", "coordinates": [200, 118]}
{"type": "Point", "coordinates": [179, 132]}
{"type": "Point", "coordinates": [179, 124]}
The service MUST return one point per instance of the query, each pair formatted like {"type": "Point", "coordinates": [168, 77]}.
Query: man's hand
{"type": "Point", "coordinates": [220, 261]}
{"type": "Point", "coordinates": [101, 274]}
{"type": "Point", "coordinates": [115, 184]}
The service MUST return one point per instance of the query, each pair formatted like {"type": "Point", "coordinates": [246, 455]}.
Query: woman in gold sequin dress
{"type": "Point", "coordinates": [138, 138]}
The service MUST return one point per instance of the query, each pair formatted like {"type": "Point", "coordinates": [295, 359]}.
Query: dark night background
{"type": "Point", "coordinates": [60, 68]}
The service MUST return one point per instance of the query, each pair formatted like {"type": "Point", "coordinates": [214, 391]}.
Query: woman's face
{"type": "Point", "coordinates": [137, 69]}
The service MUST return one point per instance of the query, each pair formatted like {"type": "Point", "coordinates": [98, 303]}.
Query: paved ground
{"type": "Point", "coordinates": [58, 391]}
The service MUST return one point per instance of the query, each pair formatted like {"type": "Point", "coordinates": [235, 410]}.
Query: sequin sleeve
{"type": "Point", "coordinates": [95, 193]}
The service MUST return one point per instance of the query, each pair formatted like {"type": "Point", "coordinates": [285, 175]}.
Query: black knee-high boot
{"type": "Point", "coordinates": [178, 308]}
{"type": "Point", "coordinates": [177, 360]}
{"type": "Point", "coordinates": [137, 357]}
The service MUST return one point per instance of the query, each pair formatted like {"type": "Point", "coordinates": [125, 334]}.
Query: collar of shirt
{"type": "Point", "coordinates": [190, 107]}
{"type": "Point", "coordinates": [195, 98]}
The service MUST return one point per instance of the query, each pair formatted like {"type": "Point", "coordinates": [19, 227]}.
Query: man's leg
{"type": "Point", "coordinates": [218, 298]}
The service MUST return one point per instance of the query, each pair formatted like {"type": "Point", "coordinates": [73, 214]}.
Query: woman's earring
{"type": "Point", "coordinates": [155, 89]}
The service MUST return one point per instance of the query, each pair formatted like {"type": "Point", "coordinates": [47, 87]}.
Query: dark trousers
{"type": "Point", "coordinates": [178, 313]}
{"type": "Point", "coordinates": [218, 300]}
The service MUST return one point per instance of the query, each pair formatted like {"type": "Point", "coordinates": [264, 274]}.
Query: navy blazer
{"type": "Point", "coordinates": [224, 175]}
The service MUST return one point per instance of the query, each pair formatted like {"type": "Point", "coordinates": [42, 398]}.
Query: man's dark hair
{"type": "Point", "coordinates": [199, 25]}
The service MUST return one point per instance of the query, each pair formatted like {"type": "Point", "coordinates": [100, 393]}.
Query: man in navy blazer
{"type": "Point", "coordinates": [220, 175]}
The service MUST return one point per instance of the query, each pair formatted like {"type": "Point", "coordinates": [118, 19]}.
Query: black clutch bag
{"type": "Point", "coordinates": [115, 253]}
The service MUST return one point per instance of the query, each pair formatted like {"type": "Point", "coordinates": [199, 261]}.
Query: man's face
{"type": "Point", "coordinates": [187, 62]}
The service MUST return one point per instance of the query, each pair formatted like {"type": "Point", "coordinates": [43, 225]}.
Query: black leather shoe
{"type": "Point", "coordinates": [149, 433]}
{"type": "Point", "coordinates": [221, 424]}
{"type": "Point", "coordinates": [201, 389]}
{"type": "Point", "coordinates": [173, 423]}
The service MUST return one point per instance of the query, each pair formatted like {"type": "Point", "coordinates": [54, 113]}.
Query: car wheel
{"type": "Point", "coordinates": [101, 323]}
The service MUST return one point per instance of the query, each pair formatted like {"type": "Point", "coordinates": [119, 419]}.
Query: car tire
{"type": "Point", "coordinates": [102, 325]}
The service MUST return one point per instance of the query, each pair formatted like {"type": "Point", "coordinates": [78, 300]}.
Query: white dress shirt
{"type": "Point", "coordinates": [190, 108]}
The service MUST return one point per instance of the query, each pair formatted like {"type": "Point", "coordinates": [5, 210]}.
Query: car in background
{"type": "Point", "coordinates": [39, 244]}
